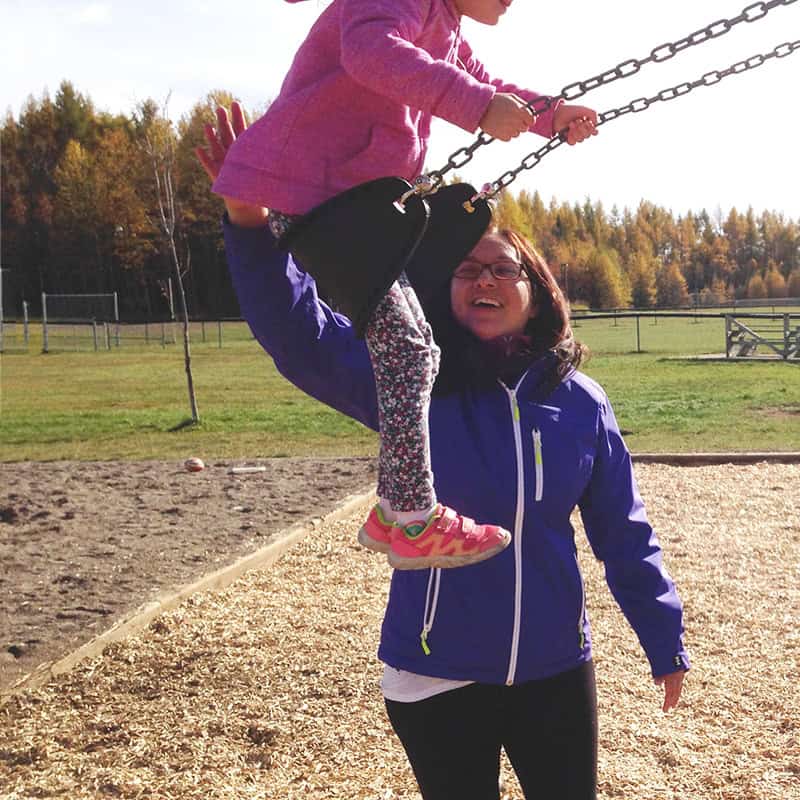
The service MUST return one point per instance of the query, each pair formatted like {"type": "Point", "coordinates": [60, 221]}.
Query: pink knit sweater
{"type": "Point", "coordinates": [357, 104]}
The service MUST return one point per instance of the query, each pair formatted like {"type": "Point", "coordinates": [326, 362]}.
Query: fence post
{"type": "Point", "coordinates": [45, 343]}
{"type": "Point", "coordinates": [94, 334]}
{"type": "Point", "coordinates": [786, 332]}
{"type": "Point", "coordinates": [219, 333]}
{"type": "Point", "coordinates": [146, 333]}
{"type": "Point", "coordinates": [26, 332]}
{"type": "Point", "coordinates": [107, 336]}
{"type": "Point", "coordinates": [727, 336]}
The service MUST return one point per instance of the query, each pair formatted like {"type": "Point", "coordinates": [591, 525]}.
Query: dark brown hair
{"type": "Point", "coordinates": [466, 362]}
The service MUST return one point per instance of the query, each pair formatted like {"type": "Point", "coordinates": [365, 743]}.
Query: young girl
{"type": "Point", "coordinates": [357, 105]}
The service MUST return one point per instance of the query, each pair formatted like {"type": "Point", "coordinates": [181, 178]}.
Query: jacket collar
{"type": "Point", "coordinates": [536, 382]}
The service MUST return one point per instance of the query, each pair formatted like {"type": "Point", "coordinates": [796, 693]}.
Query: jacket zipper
{"type": "Point", "coordinates": [512, 663]}
{"type": "Point", "coordinates": [428, 617]}
{"type": "Point", "coordinates": [582, 617]}
{"type": "Point", "coordinates": [539, 462]}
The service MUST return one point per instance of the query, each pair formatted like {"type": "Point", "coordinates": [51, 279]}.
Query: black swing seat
{"type": "Point", "coordinates": [356, 244]}
{"type": "Point", "coordinates": [456, 225]}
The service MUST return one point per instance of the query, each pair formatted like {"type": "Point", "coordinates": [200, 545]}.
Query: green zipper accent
{"type": "Point", "coordinates": [423, 637]}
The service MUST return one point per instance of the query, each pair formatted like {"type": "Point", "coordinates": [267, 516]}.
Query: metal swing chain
{"type": "Point", "coordinates": [635, 106]}
{"type": "Point", "coordinates": [430, 182]}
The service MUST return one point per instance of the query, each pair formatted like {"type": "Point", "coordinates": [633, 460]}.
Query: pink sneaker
{"type": "Point", "coordinates": [445, 540]}
{"type": "Point", "coordinates": [376, 532]}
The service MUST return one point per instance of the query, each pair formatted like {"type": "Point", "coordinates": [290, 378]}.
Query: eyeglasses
{"type": "Point", "coordinates": [501, 270]}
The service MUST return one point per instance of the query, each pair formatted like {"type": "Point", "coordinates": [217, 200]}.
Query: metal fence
{"type": "Point", "coordinates": [14, 336]}
{"type": "Point", "coordinates": [672, 333]}
{"type": "Point", "coordinates": [82, 335]}
{"type": "Point", "coordinates": [655, 332]}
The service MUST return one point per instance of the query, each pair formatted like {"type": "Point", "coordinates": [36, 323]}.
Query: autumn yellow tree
{"type": "Point", "coordinates": [774, 282]}
{"type": "Point", "coordinates": [671, 288]}
{"type": "Point", "coordinates": [608, 285]}
{"type": "Point", "coordinates": [756, 288]}
{"type": "Point", "coordinates": [793, 284]}
{"type": "Point", "coordinates": [642, 277]}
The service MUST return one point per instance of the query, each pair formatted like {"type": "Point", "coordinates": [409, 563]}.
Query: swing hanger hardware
{"type": "Point", "coordinates": [635, 106]}
{"type": "Point", "coordinates": [484, 194]}
{"type": "Point", "coordinates": [422, 185]}
{"type": "Point", "coordinates": [751, 13]}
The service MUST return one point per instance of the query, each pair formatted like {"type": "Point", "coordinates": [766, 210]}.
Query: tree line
{"type": "Point", "coordinates": [80, 215]}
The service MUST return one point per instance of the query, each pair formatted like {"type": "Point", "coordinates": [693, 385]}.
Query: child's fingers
{"type": "Point", "coordinates": [580, 129]}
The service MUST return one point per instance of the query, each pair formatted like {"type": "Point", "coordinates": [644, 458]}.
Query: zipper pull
{"type": "Point", "coordinates": [423, 638]}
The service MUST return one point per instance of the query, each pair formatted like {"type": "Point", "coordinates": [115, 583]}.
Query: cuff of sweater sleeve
{"type": "Point", "coordinates": [679, 662]}
{"type": "Point", "coordinates": [544, 122]}
{"type": "Point", "coordinates": [466, 108]}
{"type": "Point", "coordinates": [251, 244]}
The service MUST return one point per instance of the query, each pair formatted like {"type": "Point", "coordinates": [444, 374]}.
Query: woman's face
{"type": "Point", "coordinates": [489, 307]}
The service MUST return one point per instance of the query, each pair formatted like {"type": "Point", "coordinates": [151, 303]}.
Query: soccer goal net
{"type": "Point", "coordinates": [79, 315]}
{"type": "Point", "coordinates": [80, 307]}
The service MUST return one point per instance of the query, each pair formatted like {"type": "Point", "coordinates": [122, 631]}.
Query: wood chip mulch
{"type": "Point", "coordinates": [270, 688]}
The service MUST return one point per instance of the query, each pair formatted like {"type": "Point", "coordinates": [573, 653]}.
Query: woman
{"type": "Point", "coordinates": [495, 655]}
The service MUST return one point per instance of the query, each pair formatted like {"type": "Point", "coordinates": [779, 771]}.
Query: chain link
{"type": "Point", "coordinates": [638, 105]}
{"type": "Point", "coordinates": [572, 91]}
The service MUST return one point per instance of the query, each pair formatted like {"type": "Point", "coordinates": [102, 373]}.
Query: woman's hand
{"type": "Point", "coordinates": [673, 684]}
{"type": "Point", "coordinates": [245, 215]}
{"type": "Point", "coordinates": [575, 123]}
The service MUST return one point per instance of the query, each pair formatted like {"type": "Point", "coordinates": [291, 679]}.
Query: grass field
{"type": "Point", "coordinates": [129, 402]}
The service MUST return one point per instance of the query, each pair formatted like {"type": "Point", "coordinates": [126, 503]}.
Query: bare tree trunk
{"type": "Point", "coordinates": [187, 354]}
{"type": "Point", "coordinates": [163, 160]}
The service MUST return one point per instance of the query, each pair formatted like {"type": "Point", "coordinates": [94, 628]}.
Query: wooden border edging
{"type": "Point", "coordinates": [213, 581]}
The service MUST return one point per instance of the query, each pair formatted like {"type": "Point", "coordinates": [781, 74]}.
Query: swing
{"type": "Point", "coordinates": [357, 243]}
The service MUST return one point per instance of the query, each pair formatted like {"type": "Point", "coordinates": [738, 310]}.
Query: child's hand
{"type": "Point", "coordinates": [242, 214]}
{"type": "Point", "coordinates": [575, 123]}
{"type": "Point", "coordinates": [506, 117]}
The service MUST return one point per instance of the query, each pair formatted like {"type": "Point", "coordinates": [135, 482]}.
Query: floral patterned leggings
{"type": "Point", "coordinates": [405, 360]}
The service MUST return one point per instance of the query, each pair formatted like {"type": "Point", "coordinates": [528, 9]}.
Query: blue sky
{"type": "Point", "coordinates": [734, 144]}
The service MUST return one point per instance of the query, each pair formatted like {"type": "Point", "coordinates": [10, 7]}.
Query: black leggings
{"type": "Point", "coordinates": [548, 729]}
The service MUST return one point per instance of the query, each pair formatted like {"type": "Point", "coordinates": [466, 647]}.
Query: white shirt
{"type": "Point", "coordinates": [408, 687]}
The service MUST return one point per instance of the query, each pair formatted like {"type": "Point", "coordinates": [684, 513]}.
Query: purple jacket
{"type": "Point", "coordinates": [357, 104]}
{"type": "Point", "coordinates": [507, 455]}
